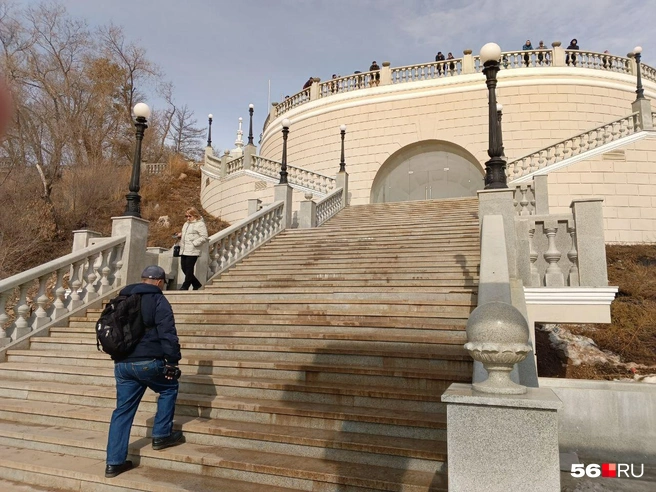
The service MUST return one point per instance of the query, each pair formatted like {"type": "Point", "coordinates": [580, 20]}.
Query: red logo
{"type": "Point", "coordinates": [609, 470]}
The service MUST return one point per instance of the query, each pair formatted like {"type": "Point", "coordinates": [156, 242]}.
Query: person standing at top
{"type": "Point", "coordinates": [438, 58]}
{"type": "Point", "coordinates": [573, 45]}
{"type": "Point", "coordinates": [452, 65]}
{"type": "Point", "coordinates": [308, 83]}
{"type": "Point", "coordinates": [542, 57]}
{"type": "Point", "coordinates": [527, 47]}
{"type": "Point", "coordinates": [375, 76]}
{"type": "Point", "coordinates": [151, 364]}
{"type": "Point", "coordinates": [192, 237]}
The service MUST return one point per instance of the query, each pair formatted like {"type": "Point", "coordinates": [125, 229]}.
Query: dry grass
{"type": "Point", "coordinates": [632, 332]}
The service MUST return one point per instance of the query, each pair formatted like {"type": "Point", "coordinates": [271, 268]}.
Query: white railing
{"type": "Point", "coordinates": [213, 161]}
{"type": "Point", "coordinates": [295, 175]}
{"type": "Point", "coordinates": [425, 71]}
{"type": "Point", "coordinates": [293, 101]}
{"type": "Point", "coordinates": [156, 168]}
{"type": "Point", "coordinates": [329, 206]}
{"type": "Point", "coordinates": [48, 292]}
{"type": "Point", "coordinates": [234, 165]}
{"type": "Point", "coordinates": [231, 245]}
{"type": "Point", "coordinates": [598, 61]}
{"type": "Point", "coordinates": [524, 199]}
{"type": "Point", "coordinates": [349, 83]}
{"type": "Point", "coordinates": [573, 146]}
{"type": "Point", "coordinates": [648, 72]}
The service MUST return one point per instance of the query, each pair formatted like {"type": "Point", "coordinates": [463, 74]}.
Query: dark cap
{"type": "Point", "coordinates": [155, 272]}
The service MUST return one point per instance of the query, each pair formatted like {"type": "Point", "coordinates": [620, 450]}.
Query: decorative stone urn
{"type": "Point", "coordinates": [498, 338]}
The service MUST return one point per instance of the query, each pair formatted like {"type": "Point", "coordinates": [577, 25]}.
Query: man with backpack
{"type": "Point", "coordinates": [151, 363]}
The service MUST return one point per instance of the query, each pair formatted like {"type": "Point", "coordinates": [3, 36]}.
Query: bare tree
{"type": "Point", "coordinates": [185, 136]}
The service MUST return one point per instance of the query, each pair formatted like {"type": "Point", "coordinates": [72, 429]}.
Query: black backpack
{"type": "Point", "coordinates": [120, 326]}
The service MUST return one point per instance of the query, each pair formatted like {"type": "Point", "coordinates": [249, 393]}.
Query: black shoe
{"type": "Point", "coordinates": [174, 439]}
{"type": "Point", "coordinates": [113, 470]}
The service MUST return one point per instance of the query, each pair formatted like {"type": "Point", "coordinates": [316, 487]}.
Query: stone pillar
{"type": "Point", "coordinates": [249, 152]}
{"type": "Point", "coordinates": [254, 205]}
{"type": "Point", "coordinates": [202, 266]}
{"type": "Point", "coordinates": [82, 238]}
{"type": "Point", "coordinates": [499, 443]}
{"type": "Point", "coordinates": [135, 230]}
{"type": "Point", "coordinates": [590, 244]}
{"type": "Point", "coordinates": [386, 74]}
{"type": "Point", "coordinates": [284, 192]}
{"type": "Point", "coordinates": [308, 213]}
{"type": "Point", "coordinates": [643, 108]}
{"type": "Point", "coordinates": [541, 193]}
{"type": "Point", "coordinates": [314, 89]}
{"type": "Point", "coordinates": [224, 162]}
{"type": "Point", "coordinates": [208, 152]}
{"type": "Point", "coordinates": [341, 181]}
{"type": "Point", "coordinates": [500, 202]}
{"type": "Point", "coordinates": [467, 62]}
{"type": "Point", "coordinates": [558, 55]}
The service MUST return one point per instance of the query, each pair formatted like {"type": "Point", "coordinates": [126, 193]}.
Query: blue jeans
{"type": "Point", "coordinates": [132, 379]}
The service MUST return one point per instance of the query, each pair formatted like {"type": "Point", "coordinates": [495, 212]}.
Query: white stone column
{"type": "Point", "coordinates": [314, 89]}
{"type": "Point", "coordinates": [134, 258]}
{"type": "Point", "coordinates": [500, 202]}
{"type": "Point", "coordinates": [558, 55]}
{"type": "Point", "coordinates": [308, 213]}
{"type": "Point", "coordinates": [590, 244]}
{"type": "Point", "coordinates": [249, 151]}
{"type": "Point", "coordinates": [254, 205]}
{"type": "Point", "coordinates": [82, 238]}
{"type": "Point", "coordinates": [284, 192]}
{"type": "Point", "coordinates": [341, 181]}
{"type": "Point", "coordinates": [467, 62]}
{"type": "Point", "coordinates": [386, 74]}
{"type": "Point", "coordinates": [541, 194]}
{"type": "Point", "coordinates": [643, 108]}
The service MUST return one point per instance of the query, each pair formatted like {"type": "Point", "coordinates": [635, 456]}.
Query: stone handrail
{"type": "Point", "coordinates": [330, 205]}
{"type": "Point", "coordinates": [92, 272]}
{"type": "Point", "coordinates": [212, 160]}
{"type": "Point", "coordinates": [231, 245]}
{"type": "Point", "coordinates": [348, 83]}
{"type": "Point", "coordinates": [573, 146]}
{"type": "Point", "coordinates": [293, 101]}
{"type": "Point", "coordinates": [234, 165]}
{"type": "Point", "coordinates": [424, 71]}
{"type": "Point", "coordinates": [295, 175]}
{"type": "Point", "coordinates": [468, 64]}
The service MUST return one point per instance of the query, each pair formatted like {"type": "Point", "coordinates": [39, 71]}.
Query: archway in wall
{"type": "Point", "coordinates": [427, 170]}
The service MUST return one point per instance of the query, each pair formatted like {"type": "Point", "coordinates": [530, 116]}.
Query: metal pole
{"type": "Point", "coordinates": [283, 167]}
{"type": "Point", "coordinates": [133, 207]}
{"type": "Point", "coordinates": [342, 164]}
{"type": "Point", "coordinates": [640, 91]}
{"type": "Point", "coordinates": [209, 132]}
{"type": "Point", "coordinates": [250, 128]}
{"type": "Point", "coordinates": [495, 168]}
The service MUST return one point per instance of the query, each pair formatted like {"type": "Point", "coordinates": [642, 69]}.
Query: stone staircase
{"type": "Point", "coordinates": [315, 364]}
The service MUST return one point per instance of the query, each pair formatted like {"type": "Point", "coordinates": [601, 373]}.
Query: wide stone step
{"type": "Point", "coordinates": [75, 405]}
{"type": "Point", "coordinates": [353, 284]}
{"type": "Point", "coordinates": [364, 252]}
{"type": "Point", "coordinates": [436, 277]}
{"type": "Point", "coordinates": [252, 466]}
{"type": "Point", "coordinates": [55, 471]}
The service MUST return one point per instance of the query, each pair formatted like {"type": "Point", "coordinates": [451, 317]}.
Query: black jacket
{"type": "Point", "coordinates": [161, 339]}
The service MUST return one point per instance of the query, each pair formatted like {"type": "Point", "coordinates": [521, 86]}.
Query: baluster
{"type": "Point", "coordinates": [118, 264]}
{"type": "Point", "coordinates": [75, 283]}
{"type": "Point", "coordinates": [573, 255]}
{"type": "Point", "coordinates": [4, 317]}
{"type": "Point", "coordinates": [105, 270]}
{"type": "Point", "coordinates": [557, 154]}
{"type": "Point", "coordinates": [542, 159]}
{"type": "Point", "coordinates": [532, 201]}
{"type": "Point", "coordinates": [600, 138]}
{"type": "Point", "coordinates": [89, 291]}
{"type": "Point", "coordinates": [523, 202]}
{"type": "Point", "coordinates": [553, 276]}
{"type": "Point", "coordinates": [22, 313]}
{"type": "Point", "coordinates": [59, 306]}
{"type": "Point", "coordinates": [526, 166]}
{"type": "Point", "coordinates": [575, 145]}
{"type": "Point", "coordinates": [615, 130]}
{"type": "Point", "coordinates": [607, 135]}
{"type": "Point", "coordinates": [533, 256]}
{"type": "Point", "coordinates": [591, 140]}
{"type": "Point", "coordinates": [41, 315]}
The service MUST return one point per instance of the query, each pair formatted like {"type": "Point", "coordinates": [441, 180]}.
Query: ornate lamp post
{"type": "Point", "coordinates": [250, 127]}
{"type": "Point", "coordinates": [342, 164]}
{"type": "Point", "coordinates": [495, 168]}
{"type": "Point", "coordinates": [639, 89]}
{"type": "Point", "coordinates": [132, 207]}
{"type": "Point", "coordinates": [283, 167]}
{"type": "Point", "coordinates": [209, 131]}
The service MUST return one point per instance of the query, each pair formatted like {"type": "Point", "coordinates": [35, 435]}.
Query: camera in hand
{"type": "Point", "coordinates": [172, 372]}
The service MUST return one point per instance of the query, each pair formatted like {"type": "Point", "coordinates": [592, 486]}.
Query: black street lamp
{"type": "Point", "coordinates": [639, 90]}
{"type": "Point", "coordinates": [209, 131]}
{"type": "Point", "coordinates": [495, 168]}
{"type": "Point", "coordinates": [499, 116]}
{"type": "Point", "coordinates": [250, 127]}
{"type": "Point", "coordinates": [283, 167]}
{"type": "Point", "coordinates": [342, 164]}
{"type": "Point", "coordinates": [133, 207]}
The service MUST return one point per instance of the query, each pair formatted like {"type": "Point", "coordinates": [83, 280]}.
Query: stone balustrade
{"type": "Point", "coordinates": [329, 206]}
{"type": "Point", "coordinates": [212, 160]}
{"type": "Point", "coordinates": [425, 71]}
{"type": "Point", "coordinates": [156, 168]}
{"type": "Point", "coordinates": [524, 199]}
{"type": "Point", "coordinates": [50, 291]}
{"type": "Point", "coordinates": [573, 146]}
{"type": "Point", "coordinates": [303, 178]}
{"type": "Point", "coordinates": [468, 64]}
{"type": "Point", "coordinates": [230, 245]}
{"type": "Point", "coordinates": [234, 165]}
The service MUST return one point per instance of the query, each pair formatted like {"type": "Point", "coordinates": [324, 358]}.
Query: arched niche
{"type": "Point", "coordinates": [427, 170]}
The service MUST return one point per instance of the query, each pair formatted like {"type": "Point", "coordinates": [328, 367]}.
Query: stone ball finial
{"type": "Point", "coordinates": [498, 336]}
{"type": "Point", "coordinates": [555, 44]}
{"type": "Point", "coordinates": [308, 196]}
{"type": "Point", "coordinates": [467, 52]}
{"type": "Point", "coordinates": [386, 64]}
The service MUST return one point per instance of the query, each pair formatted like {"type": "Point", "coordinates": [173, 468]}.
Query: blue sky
{"type": "Point", "coordinates": [221, 54]}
